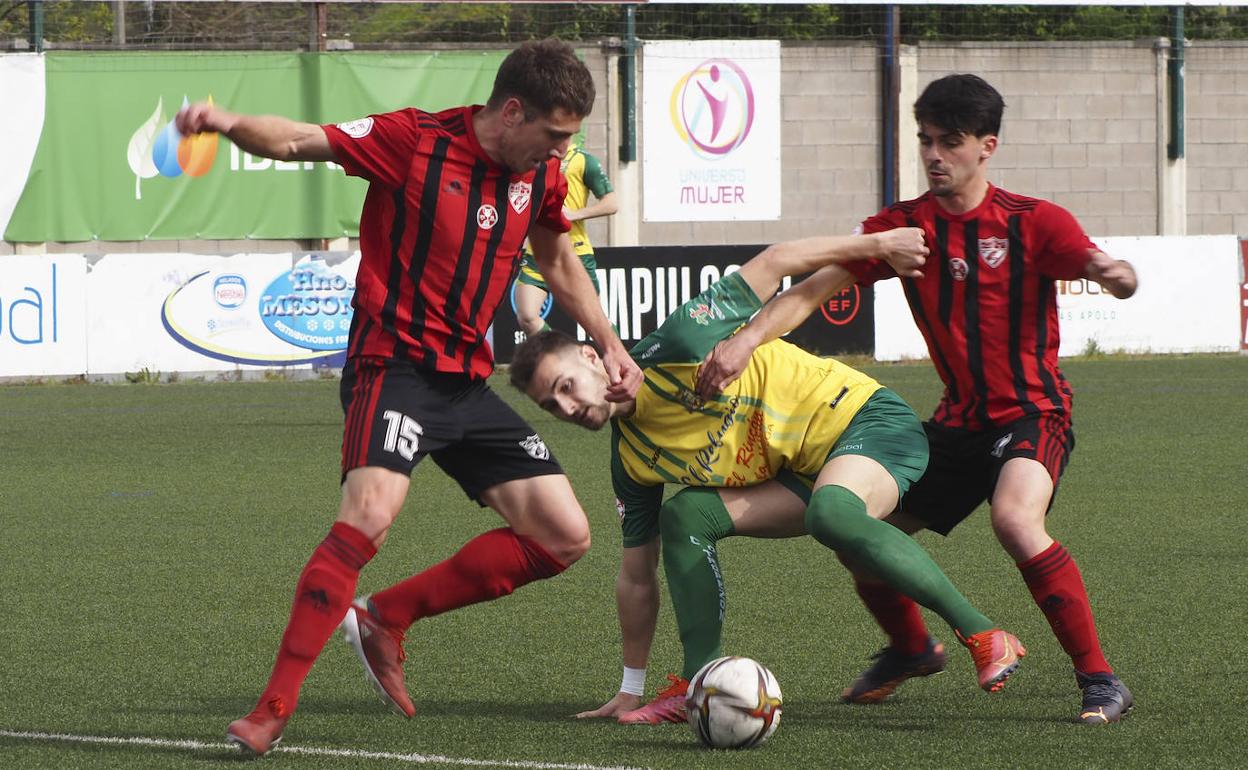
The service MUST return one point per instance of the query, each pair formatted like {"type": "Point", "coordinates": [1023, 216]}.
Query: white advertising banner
{"type": "Point", "coordinates": [191, 313]}
{"type": "Point", "coordinates": [43, 316]}
{"type": "Point", "coordinates": [711, 130]}
{"type": "Point", "coordinates": [1187, 302]}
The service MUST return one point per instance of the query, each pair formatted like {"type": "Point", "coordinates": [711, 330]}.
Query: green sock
{"type": "Point", "coordinates": [690, 523]}
{"type": "Point", "coordinates": [838, 518]}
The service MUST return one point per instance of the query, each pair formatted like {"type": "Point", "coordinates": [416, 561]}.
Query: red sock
{"type": "Point", "coordinates": [897, 614]}
{"type": "Point", "coordinates": [1058, 589]}
{"type": "Point", "coordinates": [322, 595]}
{"type": "Point", "coordinates": [489, 566]}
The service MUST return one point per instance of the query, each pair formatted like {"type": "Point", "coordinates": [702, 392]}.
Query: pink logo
{"type": "Point", "coordinates": [487, 217]}
{"type": "Point", "coordinates": [958, 268]}
{"type": "Point", "coordinates": [712, 108]}
{"type": "Point", "coordinates": [993, 250]}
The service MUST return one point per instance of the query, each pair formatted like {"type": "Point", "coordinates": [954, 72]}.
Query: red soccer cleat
{"type": "Point", "coordinates": [996, 654]}
{"type": "Point", "coordinates": [668, 706]}
{"type": "Point", "coordinates": [380, 649]}
{"type": "Point", "coordinates": [260, 730]}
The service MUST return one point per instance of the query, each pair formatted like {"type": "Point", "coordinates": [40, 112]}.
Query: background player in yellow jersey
{"type": "Point", "coordinates": [797, 445]}
{"type": "Point", "coordinates": [585, 175]}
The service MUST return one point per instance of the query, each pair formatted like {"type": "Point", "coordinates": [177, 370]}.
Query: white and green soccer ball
{"type": "Point", "coordinates": [734, 703]}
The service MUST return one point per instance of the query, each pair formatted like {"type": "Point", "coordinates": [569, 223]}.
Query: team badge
{"type": "Point", "coordinates": [357, 129]}
{"type": "Point", "coordinates": [993, 250]}
{"type": "Point", "coordinates": [703, 313]}
{"type": "Point", "coordinates": [535, 447]}
{"type": "Point", "coordinates": [619, 508]}
{"type": "Point", "coordinates": [487, 217]}
{"type": "Point", "coordinates": [958, 268]}
{"type": "Point", "coordinates": [519, 194]}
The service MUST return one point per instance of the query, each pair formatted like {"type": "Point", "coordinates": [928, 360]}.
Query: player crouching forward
{"type": "Point", "coordinates": [797, 445]}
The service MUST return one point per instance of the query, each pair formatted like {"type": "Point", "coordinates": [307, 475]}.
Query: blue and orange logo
{"type": "Point", "coordinates": [712, 108]}
{"type": "Point", "coordinates": [157, 148]}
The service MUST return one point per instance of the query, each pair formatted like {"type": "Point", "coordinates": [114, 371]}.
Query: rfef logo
{"type": "Point", "coordinates": [842, 308]}
{"type": "Point", "coordinates": [154, 149]}
{"type": "Point", "coordinates": [712, 108]}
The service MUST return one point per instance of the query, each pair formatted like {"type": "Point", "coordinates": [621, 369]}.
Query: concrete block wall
{"type": "Point", "coordinates": [1079, 125]}
{"type": "Point", "coordinates": [1217, 138]}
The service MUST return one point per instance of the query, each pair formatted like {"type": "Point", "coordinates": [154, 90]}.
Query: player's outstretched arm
{"type": "Point", "coordinates": [268, 136]}
{"type": "Point", "coordinates": [565, 274]}
{"type": "Point", "coordinates": [637, 602]}
{"type": "Point", "coordinates": [902, 247]}
{"type": "Point", "coordinates": [1116, 276]}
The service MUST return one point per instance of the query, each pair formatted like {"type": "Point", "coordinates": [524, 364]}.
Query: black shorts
{"type": "Point", "coordinates": [396, 414]}
{"type": "Point", "coordinates": [964, 465]}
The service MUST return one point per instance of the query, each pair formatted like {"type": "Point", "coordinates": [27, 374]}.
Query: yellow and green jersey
{"type": "Point", "coordinates": [585, 176]}
{"type": "Point", "coordinates": [785, 411]}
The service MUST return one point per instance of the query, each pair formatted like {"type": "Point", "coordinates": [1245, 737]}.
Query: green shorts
{"type": "Point", "coordinates": [530, 275]}
{"type": "Point", "coordinates": [888, 431]}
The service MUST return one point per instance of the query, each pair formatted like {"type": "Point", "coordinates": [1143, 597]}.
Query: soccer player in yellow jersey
{"type": "Point", "coordinates": [797, 445]}
{"type": "Point", "coordinates": [585, 175]}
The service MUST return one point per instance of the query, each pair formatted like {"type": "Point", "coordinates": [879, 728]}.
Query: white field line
{"type": "Point", "coordinates": [416, 759]}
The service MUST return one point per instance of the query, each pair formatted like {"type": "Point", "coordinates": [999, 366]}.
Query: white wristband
{"type": "Point", "coordinates": [634, 681]}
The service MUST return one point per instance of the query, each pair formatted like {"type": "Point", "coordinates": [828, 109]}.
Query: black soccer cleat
{"type": "Point", "coordinates": [1105, 698]}
{"type": "Point", "coordinates": [891, 669]}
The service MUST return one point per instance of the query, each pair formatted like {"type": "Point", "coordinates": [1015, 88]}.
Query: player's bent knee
{"type": "Point", "coordinates": [697, 512]}
{"type": "Point", "coordinates": [835, 517]}
{"type": "Point", "coordinates": [571, 549]}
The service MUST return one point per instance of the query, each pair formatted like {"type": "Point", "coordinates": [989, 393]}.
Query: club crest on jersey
{"type": "Point", "coordinates": [993, 250]}
{"type": "Point", "coordinates": [519, 194]}
{"type": "Point", "coordinates": [702, 313]}
{"type": "Point", "coordinates": [487, 216]}
{"type": "Point", "coordinates": [535, 447]}
{"type": "Point", "coordinates": [691, 401]}
{"type": "Point", "coordinates": [958, 268]}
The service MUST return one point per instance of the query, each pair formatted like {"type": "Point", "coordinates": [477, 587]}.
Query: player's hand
{"type": "Point", "coordinates": [613, 708]}
{"type": "Point", "coordinates": [201, 117]}
{"type": "Point", "coordinates": [904, 250]}
{"type": "Point", "coordinates": [623, 373]}
{"type": "Point", "coordinates": [722, 366]}
{"type": "Point", "coordinates": [1116, 276]}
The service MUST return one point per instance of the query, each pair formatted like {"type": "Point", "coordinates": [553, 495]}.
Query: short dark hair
{"type": "Point", "coordinates": [963, 103]}
{"type": "Point", "coordinates": [531, 352]}
{"type": "Point", "coordinates": [544, 75]}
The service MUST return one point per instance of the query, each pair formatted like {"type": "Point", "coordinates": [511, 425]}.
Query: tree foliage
{"type": "Point", "coordinates": [190, 25]}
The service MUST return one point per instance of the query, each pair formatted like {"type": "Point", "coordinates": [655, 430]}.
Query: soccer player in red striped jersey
{"type": "Point", "coordinates": [451, 198]}
{"type": "Point", "coordinates": [986, 305]}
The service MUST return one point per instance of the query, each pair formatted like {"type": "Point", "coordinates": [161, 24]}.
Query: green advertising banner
{"type": "Point", "coordinates": [111, 166]}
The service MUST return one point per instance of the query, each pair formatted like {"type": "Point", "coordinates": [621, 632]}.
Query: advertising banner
{"type": "Point", "coordinates": [43, 322]}
{"type": "Point", "coordinates": [110, 165]}
{"type": "Point", "coordinates": [1187, 302]}
{"type": "Point", "coordinates": [1243, 297]}
{"type": "Point", "coordinates": [642, 285]}
{"type": "Point", "coordinates": [711, 130]}
{"type": "Point", "coordinates": [194, 313]}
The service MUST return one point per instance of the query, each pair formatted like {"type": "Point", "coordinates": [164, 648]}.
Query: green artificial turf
{"type": "Point", "coordinates": [152, 535]}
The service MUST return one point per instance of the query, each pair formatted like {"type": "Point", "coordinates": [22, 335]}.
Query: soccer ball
{"type": "Point", "coordinates": [734, 703]}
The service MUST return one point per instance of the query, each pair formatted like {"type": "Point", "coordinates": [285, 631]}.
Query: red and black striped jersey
{"type": "Point", "coordinates": [987, 304]}
{"type": "Point", "coordinates": [440, 235]}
